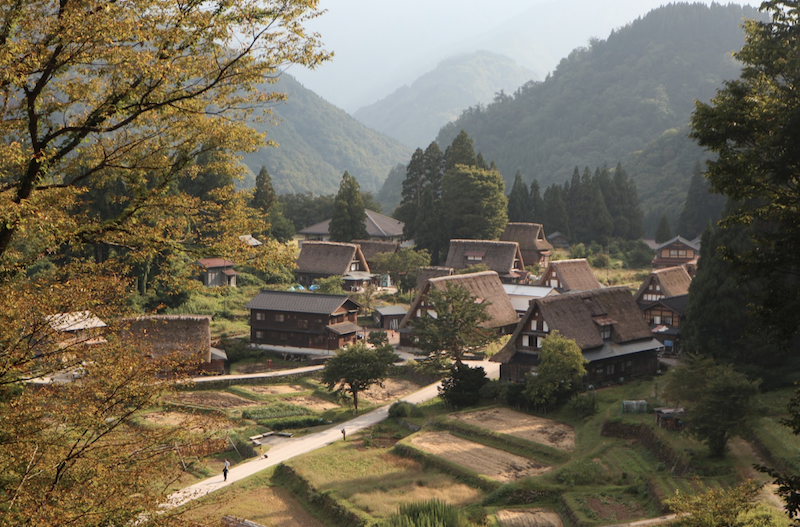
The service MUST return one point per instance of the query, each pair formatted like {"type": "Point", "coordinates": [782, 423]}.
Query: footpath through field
{"type": "Point", "coordinates": [309, 443]}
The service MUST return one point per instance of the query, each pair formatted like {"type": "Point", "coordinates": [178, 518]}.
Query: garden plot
{"type": "Point", "coordinates": [314, 403]}
{"type": "Point", "coordinates": [392, 389]}
{"type": "Point", "coordinates": [491, 462]}
{"type": "Point", "coordinates": [532, 428]}
{"type": "Point", "coordinates": [192, 422]}
{"type": "Point", "coordinates": [529, 518]}
{"type": "Point", "coordinates": [277, 389]}
{"type": "Point", "coordinates": [211, 399]}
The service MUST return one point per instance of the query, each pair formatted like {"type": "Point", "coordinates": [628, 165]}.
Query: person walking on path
{"type": "Point", "coordinates": [344, 435]}
{"type": "Point", "coordinates": [225, 468]}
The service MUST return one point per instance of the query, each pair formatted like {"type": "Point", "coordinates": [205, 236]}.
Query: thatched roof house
{"type": "Point", "coordinates": [663, 283]}
{"type": "Point", "coordinates": [370, 248]}
{"type": "Point", "coordinates": [504, 258]}
{"type": "Point", "coordinates": [570, 275]}
{"type": "Point", "coordinates": [166, 335]}
{"type": "Point", "coordinates": [484, 286]}
{"type": "Point", "coordinates": [324, 259]}
{"type": "Point", "coordinates": [605, 323]}
{"type": "Point", "coordinates": [379, 227]}
{"type": "Point", "coordinates": [532, 242]}
{"type": "Point", "coordinates": [426, 273]}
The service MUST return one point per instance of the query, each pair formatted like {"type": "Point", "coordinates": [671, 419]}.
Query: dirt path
{"type": "Point", "coordinates": [748, 457]}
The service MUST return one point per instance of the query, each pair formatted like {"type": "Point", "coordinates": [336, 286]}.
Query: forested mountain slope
{"type": "Point", "coordinates": [318, 142]}
{"type": "Point", "coordinates": [629, 94]}
{"type": "Point", "coordinates": [414, 114]}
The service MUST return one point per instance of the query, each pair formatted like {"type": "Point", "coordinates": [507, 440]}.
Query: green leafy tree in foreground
{"type": "Point", "coordinates": [559, 374]}
{"type": "Point", "coordinates": [348, 217]}
{"type": "Point", "coordinates": [456, 329]}
{"type": "Point", "coordinates": [789, 484]}
{"type": "Point", "coordinates": [355, 368]}
{"type": "Point", "coordinates": [725, 507]}
{"type": "Point", "coordinates": [462, 388]}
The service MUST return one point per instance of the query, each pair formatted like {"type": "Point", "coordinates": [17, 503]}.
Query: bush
{"type": "Point", "coordinates": [584, 405]}
{"type": "Point", "coordinates": [463, 386]}
{"type": "Point", "coordinates": [243, 445]}
{"type": "Point", "coordinates": [239, 349]}
{"type": "Point", "coordinates": [404, 409]}
{"type": "Point", "coordinates": [584, 472]}
{"type": "Point", "coordinates": [578, 250]}
{"type": "Point", "coordinates": [275, 411]}
{"type": "Point", "coordinates": [433, 513]}
{"type": "Point", "coordinates": [600, 261]}
{"type": "Point", "coordinates": [494, 390]}
{"type": "Point", "coordinates": [285, 423]}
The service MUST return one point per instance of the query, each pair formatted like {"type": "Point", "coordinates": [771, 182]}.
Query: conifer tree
{"type": "Point", "coordinates": [554, 211]}
{"type": "Point", "coordinates": [430, 232]}
{"type": "Point", "coordinates": [474, 205]}
{"type": "Point", "coordinates": [519, 201]}
{"type": "Point", "coordinates": [663, 231]}
{"type": "Point", "coordinates": [601, 224]}
{"type": "Point", "coordinates": [412, 193]}
{"type": "Point", "coordinates": [480, 162]}
{"type": "Point", "coordinates": [700, 207]}
{"type": "Point", "coordinates": [460, 152]}
{"type": "Point", "coordinates": [348, 218]}
{"type": "Point", "coordinates": [537, 205]}
{"type": "Point", "coordinates": [264, 194]}
{"type": "Point", "coordinates": [433, 168]}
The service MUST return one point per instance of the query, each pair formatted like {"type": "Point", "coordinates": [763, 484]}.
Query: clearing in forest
{"type": "Point", "coordinates": [491, 462]}
{"type": "Point", "coordinates": [525, 426]}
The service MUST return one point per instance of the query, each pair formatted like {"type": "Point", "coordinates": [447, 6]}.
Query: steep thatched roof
{"type": "Point", "coordinates": [498, 256]}
{"type": "Point", "coordinates": [573, 275]}
{"type": "Point", "coordinates": [372, 247]}
{"type": "Point", "coordinates": [329, 258]}
{"type": "Point", "coordinates": [529, 236]}
{"type": "Point", "coordinates": [426, 273]}
{"type": "Point", "coordinates": [671, 281]}
{"type": "Point", "coordinates": [581, 315]}
{"type": "Point", "coordinates": [484, 286]}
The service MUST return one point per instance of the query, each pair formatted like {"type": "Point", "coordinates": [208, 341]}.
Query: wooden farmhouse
{"type": "Point", "coordinates": [605, 323]}
{"type": "Point", "coordinates": [484, 287]}
{"type": "Point", "coordinates": [570, 275]}
{"type": "Point", "coordinates": [677, 251]}
{"type": "Point", "coordinates": [662, 298]}
{"type": "Point", "coordinates": [303, 320]}
{"type": "Point", "coordinates": [379, 228]}
{"type": "Point", "coordinates": [324, 259]}
{"type": "Point", "coordinates": [533, 244]}
{"type": "Point", "coordinates": [389, 317]}
{"type": "Point", "coordinates": [558, 239]}
{"type": "Point", "coordinates": [216, 272]}
{"type": "Point", "coordinates": [504, 258]}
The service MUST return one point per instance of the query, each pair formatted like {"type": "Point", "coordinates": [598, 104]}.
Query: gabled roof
{"type": "Point", "coordinates": [673, 281]}
{"type": "Point", "coordinates": [212, 263]}
{"type": "Point", "coordinates": [529, 236]}
{"type": "Point", "coordinates": [485, 286]}
{"type": "Point", "coordinates": [682, 240]}
{"type": "Point", "coordinates": [299, 302]}
{"type": "Point", "coordinates": [75, 321]}
{"type": "Point", "coordinates": [329, 258]}
{"type": "Point", "coordinates": [520, 296]}
{"type": "Point", "coordinates": [372, 247]}
{"type": "Point", "coordinates": [677, 304]}
{"type": "Point", "coordinates": [377, 225]}
{"type": "Point", "coordinates": [574, 275]}
{"type": "Point", "coordinates": [580, 316]}
{"type": "Point", "coordinates": [498, 256]}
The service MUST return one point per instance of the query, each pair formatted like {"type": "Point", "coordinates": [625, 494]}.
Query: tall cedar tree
{"type": "Point", "coordinates": [700, 207]}
{"type": "Point", "coordinates": [520, 207]}
{"type": "Point", "coordinates": [537, 205]}
{"type": "Point", "coordinates": [457, 328]}
{"type": "Point", "coordinates": [264, 197]}
{"type": "Point", "coordinates": [555, 217]}
{"type": "Point", "coordinates": [474, 204]}
{"type": "Point", "coordinates": [460, 152]}
{"type": "Point", "coordinates": [663, 231]}
{"type": "Point", "coordinates": [83, 109]}
{"type": "Point", "coordinates": [431, 234]}
{"type": "Point", "coordinates": [751, 124]}
{"type": "Point", "coordinates": [348, 217]}
{"type": "Point", "coordinates": [413, 185]}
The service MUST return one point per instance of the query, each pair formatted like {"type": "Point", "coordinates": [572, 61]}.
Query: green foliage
{"type": "Point", "coordinates": [292, 423]}
{"type": "Point", "coordinates": [520, 204]}
{"type": "Point", "coordinates": [582, 472]}
{"type": "Point", "coordinates": [331, 285]}
{"type": "Point", "coordinates": [474, 205]}
{"type": "Point", "coordinates": [348, 216]}
{"type": "Point", "coordinates": [356, 368]}
{"type": "Point", "coordinates": [701, 206]}
{"type": "Point", "coordinates": [433, 513]}
{"type": "Point", "coordinates": [462, 388]}
{"type": "Point", "coordinates": [559, 374]}
{"type": "Point", "coordinates": [600, 261]}
{"type": "Point", "coordinates": [401, 264]}
{"type": "Point", "coordinates": [734, 507]}
{"type": "Point", "coordinates": [306, 209]}
{"type": "Point", "coordinates": [456, 329]}
{"type": "Point", "coordinates": [663, 231]}
{"type": "Point", "coordinates": [584, 404]}
{"type": "Point", "coordinates": [275, 411]}
{"type": "Point", "coordinates": [264, 197]}
{"type": "Point", "coordinates": [404, 409]}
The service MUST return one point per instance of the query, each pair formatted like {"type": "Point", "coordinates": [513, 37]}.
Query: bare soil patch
{"type": "Point", "coordinates": [530, 427]}
{"type": "Point", "coordinates": [529, 518]}
{"type": "Point", "coordinates": [192, 422]}
{"type": "Point", "coordinates": [392, 389]}
{"type": "Point", "coordinates": [615, 510]}
{"type": "Point", "coordinates": [212, 399]}
{"type": "Point", "coordinates": [260, 367]}
{"type": "Point", "coordinates": [314, 403]}
{"type": "Point", "coordinates": [277, 389]}
{"type": "Point", "coordinates": [496, 464]}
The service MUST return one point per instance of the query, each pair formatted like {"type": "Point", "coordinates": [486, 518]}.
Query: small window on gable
{"type": "Point", "coordinates": [605, 332]}
{"type": "Point", "coordinates": [544, 326]}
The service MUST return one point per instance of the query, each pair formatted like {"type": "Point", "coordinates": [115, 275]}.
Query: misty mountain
{"type": "Point", "coordinates": [317, 142]}
{"type": "Point", "coordinates": [414, 114]}
{"type": "Point", "coordinates": [619, 99]}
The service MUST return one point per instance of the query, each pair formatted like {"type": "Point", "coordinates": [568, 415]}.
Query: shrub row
{"type": "Point", "coordinates": [275, 411]}
{"type": "Point", "coordinates": [284, 423]}
{"type": "Point", "coordinates": [465, 475]}
{"type": "Point", "coordinates": [218, 384]}
{"type": "Point", "coordinates": [321, 503]}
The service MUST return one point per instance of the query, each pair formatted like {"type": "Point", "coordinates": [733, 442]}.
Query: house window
{"type": "Point", "coordinates": [605, 332]}
{"type": "Point", "coordinates": [656, 319]}
{"type": "Point", "coordinates": [667, 320]}
{"type": "Point", "coordinates": [260, 315]}
{"type": "Point", "coordinates": [355, 266]}
{"type": "Point", "coordinates": [259, 335]}
{"type": "Point", "coordinates": [544, 326]}
{"type": "Point", "coordinates": [279, 317]}
{"type": "Point", "coordinates": [610, 369]}
{"type": "Point", "coordinates": [534, 324]}
{"type": "Point", "coordinates": [302, 324]}
{"type": "Point", "coordinates": [474, 258]}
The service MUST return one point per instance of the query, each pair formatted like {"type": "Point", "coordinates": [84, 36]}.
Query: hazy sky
{"type": "Point", "coordinates": [380, 45]}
